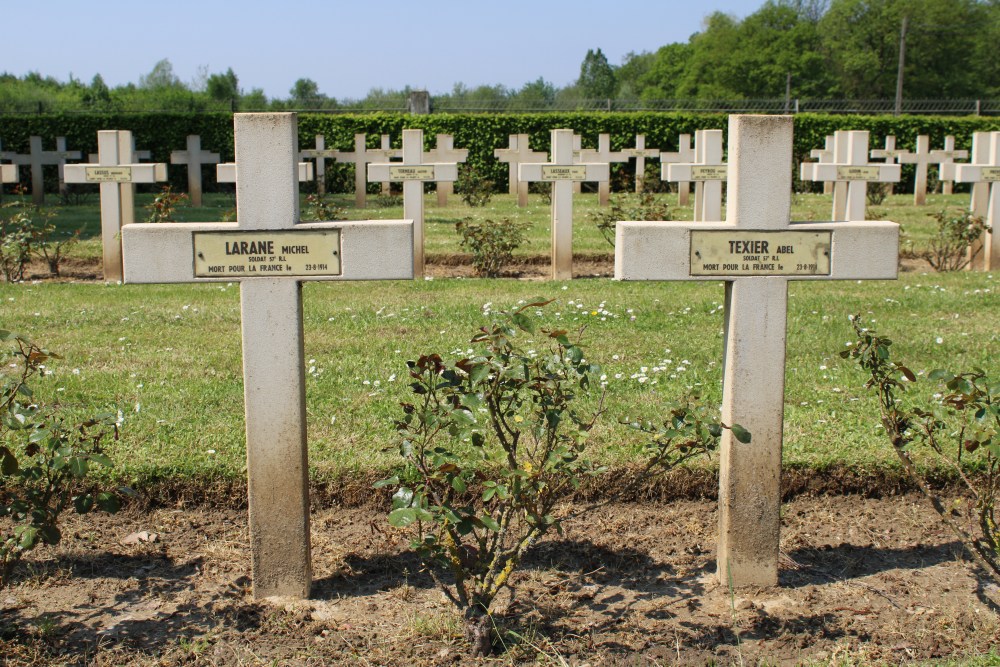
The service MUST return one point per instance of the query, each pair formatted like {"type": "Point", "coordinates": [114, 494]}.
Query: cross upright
{"type": "Point", "coordinates": [984, 171]}
{"type": "Point", "coordinates": [413, 173]}
{"type": "Point", "coordinates": [270, 253]}
{"type": "Point", "coordinates": [824, 155]}
{"type": "Point", "coordinates": [947, 156]}
{"type": "Point", "coordinates": [518, 152]}
{"type": "Point", "coordinates": [562, 172]}
{"type": "Point", "coordinates": [684, 155]}
{"type": "Point", "coordinates": [640, 153]}
{"type": "Point", "coordinates": [320, 154]}
{"type": "Point", "coordinates": [890, 153]}
{"type": "Point", "coordinates": [64, 155]}
{"type": "Point", "coordinates": [116, 176]}
{"type": "Point", "coordinates": [708, 172]}
{"type": "Point", "coordinates": [921, 157]}
{"type": "Point", "coordinates": [604, 155]}
{"type": "Point", "coordinates": [851, 167]}
{"type": "Point", "coordinates": [445, 152]}
{"type": "Point", "coordinates": [194, 157]}
{"type": "Point", "coordinates": [756, 251]}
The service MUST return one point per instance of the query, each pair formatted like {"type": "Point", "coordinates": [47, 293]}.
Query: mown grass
{"type": "Point", "coordinates": [169, 357]}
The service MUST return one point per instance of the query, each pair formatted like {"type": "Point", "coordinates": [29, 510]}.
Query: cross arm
{"type": "Point", "coordinates": [695, 172]}
{"type": "Point", "coordinates": [975, 173]}
{"type": "Point", "coordinates": [661, 250]}
{"type": "Point", "coordinates": [641, 152]}
{"type": "Point", "coordinates": [955, 153]}
{"type": "Point", "coordinates": [369, 250]}
{"type": "Point", "coordinates": [536, 172]}
{"type": "Point", "coordinates": [398, 172]}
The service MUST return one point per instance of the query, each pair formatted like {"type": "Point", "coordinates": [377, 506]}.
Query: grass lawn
{"type": "Point", "coordinates": [169, 358]}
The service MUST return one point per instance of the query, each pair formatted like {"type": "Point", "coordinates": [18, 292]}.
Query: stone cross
{"type": "Point", "coordinates": [128, 153]}
{"type": "Point", "coordinates": [945, 157]}
{"type": "Point", "coordinates": [37, 158]}
{"type": "Point", "coordinates": [562, 172]}
{"type": "Point", "coordinates": [685, 154]}
{"type": "Point", "coordinates": [824, 155]}
{"type": "Point", "coordinates": [577, 152]}
{"type": "Point", "coordinates": [984, 171]}
{"type": "Point", "coordinates": [194, 157]}
{"type": "Point", "coordinates": [757, 251]}
{"type": "Point", "coordinates": [117, 177]}
{"type": "Point", "coordinates": [320, 155]}
{"type": "Point", "coordinates": [922, 157]}
{"type": "Point", "coordinates": [445, 152]}
{"type": "Point", "coordinates": [890, 153]}
{"type": "Point", "coordinates": [851, 166]}
{"type": "Point", "coordinates": [413, 173]}
{"type": "Point", "coordinates": [225, 172]}
{"type": "Point", "coordinates": [708, 173]}
{"type": "Point", "coordinates": [640, 153]}
{"type": "Point", "coordinates": [518, 152]}
{"type": "Point", "coordinates": [391, 153]}
{"type": "Point", "coordinates": [270, 253]}
{"type": "Point", "coordinates": [360, 157]}
{"type": "Point", "coordinates": [605, 155]}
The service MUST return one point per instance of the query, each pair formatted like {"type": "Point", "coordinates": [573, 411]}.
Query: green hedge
{"type": "Point", "coordinates": [480, 133]}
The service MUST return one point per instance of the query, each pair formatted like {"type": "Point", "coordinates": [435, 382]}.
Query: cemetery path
{"type": "Point", "coordinates": [862, 580]}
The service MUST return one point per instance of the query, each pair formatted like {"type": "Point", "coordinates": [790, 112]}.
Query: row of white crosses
{"type": "Point", "coordinates": [37, 158]}
{"type": "Point", "coordinates": [755, 253]}
{"type": "Point", "coordinates": [922, 157]}
{"type": "Point", "coordinates": [848, 168]}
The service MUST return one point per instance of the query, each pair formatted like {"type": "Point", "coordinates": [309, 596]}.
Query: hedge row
{"type": "Point", "coordinates": [480, 133]}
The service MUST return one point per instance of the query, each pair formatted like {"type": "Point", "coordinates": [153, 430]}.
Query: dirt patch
{"type": "Point", "coordinates": [867, 579]}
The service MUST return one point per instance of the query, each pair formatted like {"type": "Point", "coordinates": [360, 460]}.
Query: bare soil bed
{"type": "Point", "coordinates": [862, 580]}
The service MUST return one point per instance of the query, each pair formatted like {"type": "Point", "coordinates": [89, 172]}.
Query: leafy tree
{"type": "Point", "coordinates": [666, 68]}
{"type": "Point", "coordinates": [597, 76]}
{"type": "Point", "coordinates": [161, 76]}
{"type": "Point", "coordinates": [223, 87]}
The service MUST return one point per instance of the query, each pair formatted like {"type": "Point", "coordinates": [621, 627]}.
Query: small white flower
{"type": "Point", "coordinates": [939, 340]}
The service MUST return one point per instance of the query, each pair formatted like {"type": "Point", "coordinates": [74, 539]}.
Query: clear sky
{"type": "Point", "coordinates": [348, 48]}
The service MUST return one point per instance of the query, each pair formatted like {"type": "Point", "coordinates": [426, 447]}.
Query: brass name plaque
{"type": "Point", "coordinates": [252, 254]}
{"type": "Point", "coordinates": [414, 173]}
{"type": "Point", "coordinates": [708, 173]}
{"type": "Point", "coordinates": [108, 174]}
{"type": "Point", "coordinates": [866, 173]}
{"type": "Point", "coordinates": [991, 174]}
{"type": "Point", "coordinates": [736, 253]}
{"type": "Point", "coordinates": [553, 172]}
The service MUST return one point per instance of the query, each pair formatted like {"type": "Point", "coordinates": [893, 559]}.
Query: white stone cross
{"type": "Point", "coordinates": [562, 172]}
{"type": "Point", "coordinates": [127, 153]}
{"type": "Point", "coordinates": [270, 253]}
{"type": "Point", "coordinates": [445, 152]}
{"type": "Point", "coordinates": [640, 153]}
{"type": "Point", "coordinates": [890, 153]}
{"type": "Point", "coordinates": [851, 166]}
{"type": "Point", "coordinates": [684, 155]}
{"type": "Point", "coordinates": [921, 157]}
{"type": "Point", "coordinates": [603, 155]}
{"type": "Point", "coordinates": [37, 158]}
{"type": "Point", "coordinates": [984, 171]}
{"type": "Point", "coordinates": [117, 178]}
{"type": "Point", "coordinates": [945, 157]}
{"type": "Point", "coordinates": [194, 157]}
{"type": "Point", "coordinates": [518, 152]}
{"type": "Point", "coordinates": [359, 157]}
{"type": "Point", "coordinates": [320, 155]}
{"type": "Point", "coordinates": [757, 251]}
{"type": "Point", "coordinates": [823, 156]}
{"type": "Point", "coordinates": [413, 173]}
{"type": "Point", "coordinates": [708, 172]}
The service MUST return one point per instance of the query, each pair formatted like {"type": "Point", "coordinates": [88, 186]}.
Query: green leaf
{"type": "Point", "coordinates": [390, 481]}
{"type": "Point", "coordinates": [27, 537]}
{"type": "Point", "coordinates": [83, 504]}
{"type": "Point", "coordinates": [78, 466]}
{"type": "Point", "coordinates": [50, 534]}
{"type": "Point", "coordinates": [403, 517]}
{"type": "Point", "coordinates": [523, 322]}
{"type": "Point", "coordinates": [940, 374]}
{"type": "Point", "coordinates": [8, 462]}
{"type": "Point", "coordinates": [458, 484]}
{"type": "Point", "coordinates": [490, 523]}
{"type": "Point", "coordinates": [402, 498]}
{"type": "Point", "coordinates": [740, 433]}
{"type": "Point", "coordinates": [102, 459]}
{"type": "Point", "coordinates": [108, 502]}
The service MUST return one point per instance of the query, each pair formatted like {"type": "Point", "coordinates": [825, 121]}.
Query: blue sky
{"type": "Point", "coordinates": [348, 48]}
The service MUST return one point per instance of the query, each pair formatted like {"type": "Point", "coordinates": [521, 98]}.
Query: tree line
{"type": "Point", "coordinates": [810, 49]}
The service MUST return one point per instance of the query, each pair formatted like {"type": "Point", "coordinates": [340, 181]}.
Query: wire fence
{"type": "Point", "coordinates": [446, 104]}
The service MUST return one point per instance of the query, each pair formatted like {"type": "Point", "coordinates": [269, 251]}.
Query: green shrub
{"type": "Point", "coordinates": [492, 243]}
{"type": "Point", "coordinates": [495, 444]}
{"type": "Point", "coordinates": [476, 189]}
{"type": "Point", "coordinates": [960, 427]}
{"type": "Point", "coordinates": [44, 459]}
{"type": "Point", "coordinates": [645, 207]}
{"type": "Point", "coordinates": [949, 247]}
{"type": "Point", "coordinates": [164, 205]}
